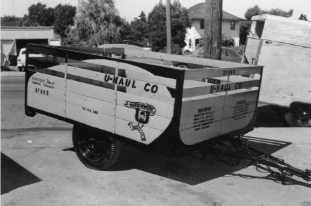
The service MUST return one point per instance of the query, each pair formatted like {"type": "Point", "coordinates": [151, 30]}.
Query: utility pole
{"type": "Point", "coordinates": [168, 27]}
{"type": "Point", "coordinates": [212, 29]}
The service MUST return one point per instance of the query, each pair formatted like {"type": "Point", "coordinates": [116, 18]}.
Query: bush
{"type": "Point", "coordinates": [227, 41]}
{"type": "Point", "coordinates": [176, 49]}
{"type": "Point", "coordinates": [239, 50]}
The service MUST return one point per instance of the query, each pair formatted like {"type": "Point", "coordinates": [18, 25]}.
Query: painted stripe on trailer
{"type": "Point", "coordinates": [162, 109]}
{"type": "Point", "coordinates": [134, 72]}
{"type": "Point", "coordinates": [217, 72]}
{"type": "Point", "coordinates": [147, 95]}
{"type": "Point", "coordinates": [154, 121]}
{"type": "Point", "coordinates": [95, 67]}
{"type": "Point", "coordinates": [154, 89]}
{"type": "Point", "coordinates": [46, 104]}
{"type": "Point", "coordinates": [90, 117]}
{"type": "Point", "coordinates": [209, 89]}
{"type": "Point", "coordinates": [139, 133]}
{"type": "Point", "coordinates": [90, 103]}
{"type": "Point", "coordinates": [92, 91]}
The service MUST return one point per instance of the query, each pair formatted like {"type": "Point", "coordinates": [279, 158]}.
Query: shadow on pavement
{"type": "Point", "coordinates": [193, 171]}
{"type": "Point", "coordinates": [14, 176]}
{"type": "Point", "coordinates": [186, 169]}
{"type": "Point", "coordinates": [268, 116]}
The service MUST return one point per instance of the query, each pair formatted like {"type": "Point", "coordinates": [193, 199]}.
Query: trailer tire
{"type": "Point", "coordinates": [94, 149]}
{"type": "Point", "coordinates": [299, 115]}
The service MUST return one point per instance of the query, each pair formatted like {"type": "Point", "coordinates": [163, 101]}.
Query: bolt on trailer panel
{"type": "Point", "coordinates": [140, 101]}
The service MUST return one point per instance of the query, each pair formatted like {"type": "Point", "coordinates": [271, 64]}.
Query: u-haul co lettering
{"type": "Point", "coordinates": [124, 82]}
{"type": "Point", "coordinates": [225, 87]}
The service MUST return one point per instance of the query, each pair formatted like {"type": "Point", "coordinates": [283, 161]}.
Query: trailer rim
{"type": "Point", "coordinates": [300, 115]}
{"type": "Point", "coordinates": [95, 150]}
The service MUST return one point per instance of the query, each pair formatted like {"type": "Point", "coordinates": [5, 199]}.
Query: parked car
{"type": "Point", "coordinates": [227, 54]}
{"type": "Point", "coordinates": [21, 59]}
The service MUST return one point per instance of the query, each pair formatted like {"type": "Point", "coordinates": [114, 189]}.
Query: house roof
{"type": "Point", "coordinates": [198, 11]}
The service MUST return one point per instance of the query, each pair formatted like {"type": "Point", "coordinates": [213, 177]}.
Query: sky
{"type": "Point", "coordinates": [132, 8]}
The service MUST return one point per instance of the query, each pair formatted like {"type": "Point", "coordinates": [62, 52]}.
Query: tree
{"type": "Point", "coordinates": [303, 17]}
{"type": "Point", "coordinates": [96, 22]}
{"type": "Point", "coordinates": [157, 27]}
{"type": "Point", "coordinates": [9, 18]}
{"type": "Point", "coordinates": [125, 30]}
{"type": "Point", "coordinates": [139, 29]}
{"type": "Point", "coordinates": [254, 11]}
{"type": "Point", "coordinates": [244, 30]}
{"type": "Point", "coordinates": [64, 17]}
{"type": "Point", "coordinates": [280, 12]}
{"type": "Point", "coordinates": [39, 15]}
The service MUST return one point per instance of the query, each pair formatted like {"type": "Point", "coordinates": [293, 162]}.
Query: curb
{"type": "Point", "coordinates": [12, 74]}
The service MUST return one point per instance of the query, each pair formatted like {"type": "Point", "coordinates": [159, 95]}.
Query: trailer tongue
{"type": "Point", "coordinates": [240, 149]}
{"type": "Point", "coordinates": [138, 97]}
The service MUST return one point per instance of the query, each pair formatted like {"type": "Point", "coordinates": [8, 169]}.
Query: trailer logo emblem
{"type": "Point", "coordinates": [143, 112]}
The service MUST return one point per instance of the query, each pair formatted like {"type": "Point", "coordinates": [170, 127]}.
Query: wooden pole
{"type": "Point", "coordinates": [168, 27]}
{"type": "Point", "coordinates": [212, 29]}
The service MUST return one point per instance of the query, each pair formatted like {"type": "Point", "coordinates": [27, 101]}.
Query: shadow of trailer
{"type": "Point", "coordinates": [175, 110]}
{"type": "Point", "coordinates": [283, 47]}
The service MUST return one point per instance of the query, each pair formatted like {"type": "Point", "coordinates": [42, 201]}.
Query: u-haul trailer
{"type": "Point", "coordinates": [283, 47]}
{"type": "Point", "coordinates": [111, 99]}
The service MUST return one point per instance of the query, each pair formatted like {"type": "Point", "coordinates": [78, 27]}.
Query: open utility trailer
{"type": "Point", "coordinates": [127, 98]}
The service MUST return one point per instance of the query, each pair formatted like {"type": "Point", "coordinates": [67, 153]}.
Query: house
{"type": "Point", "coordinates": [230, 26]}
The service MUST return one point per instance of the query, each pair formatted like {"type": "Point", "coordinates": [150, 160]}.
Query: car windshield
{"type": "Point", "coordinates": [198, 52]}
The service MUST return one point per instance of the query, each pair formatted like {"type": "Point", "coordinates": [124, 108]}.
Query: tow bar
{"type": "Point", "coordinates": [240, 149]}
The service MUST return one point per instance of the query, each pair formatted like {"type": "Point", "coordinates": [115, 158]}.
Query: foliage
{"type": "Point", "coordinates": [256, 10]}
{"type": "Point", "coordinates": [280, 12]}
{"type": "Point", "coordinates": [96, 22]}
{"type": "Point", "coordinates": [39, 15]}
{"type": "Point", "coordinates": [139, 28]}
{"type": "Point", "coordinates": [244, 30]}
{"type": "Point", "coordinates": [227, 41]}
{"type": "Point", "coordinates": [157, 26]}
{"type": "Point", "coordinates": [64, 15]}
{"type": "Point", "coordinates": [10, 18]}
{"type": "Point", "coordinates": [253, 11]}
{"type": "Point", "coordinates": [176, 49]}
{"type": "Point", "coordinates": [125, 30]}
{"type": "Point", "coordinates": [239, 50]}
{"type": "Point", "coordinates": [303, 17]}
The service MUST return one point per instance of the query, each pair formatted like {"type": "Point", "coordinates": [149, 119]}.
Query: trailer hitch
{"type": "Point", "coordinates": [240, 149]}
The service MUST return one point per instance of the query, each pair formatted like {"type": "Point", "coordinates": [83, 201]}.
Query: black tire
{"type": "Point", "coordinates": [21, 69]}
{"type": "Point", "coordinates": [182, 65]}
{"type": "Point", "coordinates": [94, 149]}
{"type": "Point", "coordinates": [299, 115]}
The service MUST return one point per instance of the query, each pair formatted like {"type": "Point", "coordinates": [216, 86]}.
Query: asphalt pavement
{"type": "Point", "coordinates": [39, 166]}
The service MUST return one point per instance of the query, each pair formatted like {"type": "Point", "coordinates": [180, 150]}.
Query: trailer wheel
{"type": "Point", "coordinates": [299, 115]}
{"type": "Point", "coordinates": [93, 149]}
